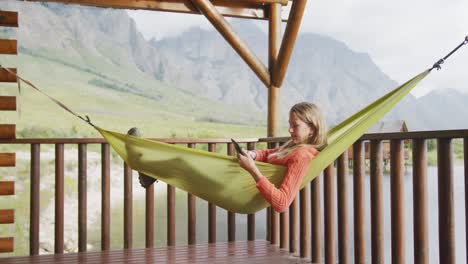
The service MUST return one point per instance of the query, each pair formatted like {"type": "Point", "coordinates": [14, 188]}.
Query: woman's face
{"type": "Point", "coordinates": [299, 130]}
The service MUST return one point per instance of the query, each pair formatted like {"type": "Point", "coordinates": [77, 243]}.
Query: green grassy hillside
{"type": "Point", "coordinates": [116, 98]}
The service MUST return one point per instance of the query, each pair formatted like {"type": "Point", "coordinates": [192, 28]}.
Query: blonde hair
{"type": "Point", "coordinates": [310, 114]}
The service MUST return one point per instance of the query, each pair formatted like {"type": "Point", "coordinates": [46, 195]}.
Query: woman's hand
{"type": "Point", "coordinates": [248, 164]}
{"type": "Point", "coordinates": [252, 154]}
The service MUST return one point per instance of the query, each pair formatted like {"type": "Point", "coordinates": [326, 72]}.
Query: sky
{"type": "Point", "coordinates": [403, 37]}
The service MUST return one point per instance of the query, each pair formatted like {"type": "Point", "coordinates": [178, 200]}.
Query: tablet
{"type": "Point", "coordinates": [238, 148]}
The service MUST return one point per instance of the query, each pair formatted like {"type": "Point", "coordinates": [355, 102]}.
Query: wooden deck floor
{"type": "Point", "coordinates": [258, 251]}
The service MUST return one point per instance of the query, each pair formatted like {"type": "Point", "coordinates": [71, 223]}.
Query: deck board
{"type": "Point", "coordinates": [259, 251]}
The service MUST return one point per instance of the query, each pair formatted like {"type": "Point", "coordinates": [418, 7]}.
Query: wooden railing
{"type": "Point", "coordinates": [300, 230]}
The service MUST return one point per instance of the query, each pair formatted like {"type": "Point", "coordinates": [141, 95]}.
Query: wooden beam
{"type": "Point", "coordinates": [253, 9]}
{"type": "Point", "coordinates": [7, 159]}
{"type": "Point", "coordinates": [289, 39]}
{"type": "Point", "coordinates": [220, 23]}
{"type": "Point", "coordinates": [6, 76]}
{"type": "Point", "coordinates": [7, 216]}
{"type": "Point", "coordinates": [7, 188]}
{"type": "Point", "coordinates": [274, 41]}
{"type": "Point", "coordinates": [7, 131]}
{"type": "Point", "coordinates": [8, 19]}
{"type": "Point", "coordinates": [8, 46]}
{"type": "Point", "coordinates": [6, 244]}
{"type": "Point", "coordinates": [7, 103]}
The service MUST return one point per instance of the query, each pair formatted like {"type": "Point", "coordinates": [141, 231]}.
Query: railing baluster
{"type": "Point", "coordinates": [358, 186]}
{"type": "Point", "coordinates": [397, 201]}
{"type": "Point", "coordinates": [274, 216]}
{"type": "Point", "coordinates": [128, 207]}
{"type": "Point", "coordinates": [465, 162]}
{"type": "Point", "coordinates": [171, 218]}
{"type": "Point", "coordinates": [304, 222]}
{"type": "Point", "coordinates": [82, 197]}
{"type": "Point", "coordinates": [192, 215]}
{"type": "Point", "coordinates": [251, 217]}
{"type": "Point", "coordinates": [231, 218]}
{"type": "Point", "coordinates": [329, 203]}
{"type": "Point", "coordinates": [35, 199]}
{"type": "Point", "coordinates": [446, 211]}
{"type": "Point", "coordinates": [59, 196]}
{"type": "Point", "coordinates": [105, 200]}
{"type": "Point", "coordinates": [211, 209]}
{"type": "Point", "coordinates": [315, 214]}
{"type": "Point", "coordinates": [343, 239]}
{"type": "Point", "coordinates": [376, 182]}
{"type": "Point", "coordinates": [421, 249]}
{"type": "Point", "coordinates": [283, 223]}
{"type": "Point", "coordinates": [149, 216]}
{"type": "Point", "coordinates": [293, 217]}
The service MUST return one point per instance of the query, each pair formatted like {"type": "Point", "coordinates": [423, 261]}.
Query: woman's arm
{"type": "Point", "coordinates": [280, 198]}
{"type": "Point", "coordinates": [262, 155]}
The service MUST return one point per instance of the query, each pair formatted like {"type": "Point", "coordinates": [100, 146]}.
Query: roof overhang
{"type": "Point", "coordinates": [250, 9]}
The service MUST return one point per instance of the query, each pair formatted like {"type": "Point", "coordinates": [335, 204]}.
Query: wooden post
{"type": "Point", "coordinates": [218, 21]}
{"type": "Point", "coordinates": [397, 201]}
{"type": "Point", "coordinates": [421, 243]}
{"type": "Point", "coordinates": [192, 216]}
{"type": "Point", "coordinates": [329, 214]}
{"type": "Point", "coordinates": [376, 182]}
{"type": "Point", "coordinates": [359, 206]}
{"type": "Point", "coordinates": [446, 204]}
{"type": "Point", "coordinates": [289, 38]}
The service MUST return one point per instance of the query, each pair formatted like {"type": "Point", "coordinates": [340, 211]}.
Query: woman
{"type": "Point", "coordinates": [308, 135]}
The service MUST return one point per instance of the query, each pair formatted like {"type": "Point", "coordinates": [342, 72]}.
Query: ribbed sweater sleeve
{"type": "Point", "coordinates": [262, 155]}
{"type": "Point", "coordinates": [280, 198]}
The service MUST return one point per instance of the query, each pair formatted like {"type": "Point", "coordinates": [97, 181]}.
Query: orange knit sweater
{"type": "Point", "coordinates": [297, 164]}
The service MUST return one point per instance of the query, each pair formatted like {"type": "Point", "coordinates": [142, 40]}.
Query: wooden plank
{"type": "Point", "coordinates": [241, 9]}
{"type": "Point", "coordinates": [238, 252]}
{"type": "Point", "coordinates": [7, 159]}
{"type": "Point", "coordinates": [7, 103]}
{"type": "Point", "coordinates": [7, 131]}
{"type": "Point", "coordinates": [6, 76]}
{"type": "Point", "coordinates": [7, 188]}
{"type": "Point", "coordinates": [6, 244]}
{"type": "Point", "coordinates": [8, 46]}
{"type": "Point", "coordinates": [7, 216]}
{"type": "Point", "coordinates": [8, 19]}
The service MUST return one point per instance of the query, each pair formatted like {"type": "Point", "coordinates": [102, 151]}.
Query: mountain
{"type": "Point", "coordinates": [198, 74]}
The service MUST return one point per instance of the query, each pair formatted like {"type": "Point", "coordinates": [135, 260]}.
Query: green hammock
{"type": "Point", "coordinates": [220, 180]}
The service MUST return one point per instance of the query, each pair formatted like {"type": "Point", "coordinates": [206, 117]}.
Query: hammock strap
{"type": "Point", "coordinates": [66, 108]}
{"type": "Point", "coordinates": [441, 61]}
